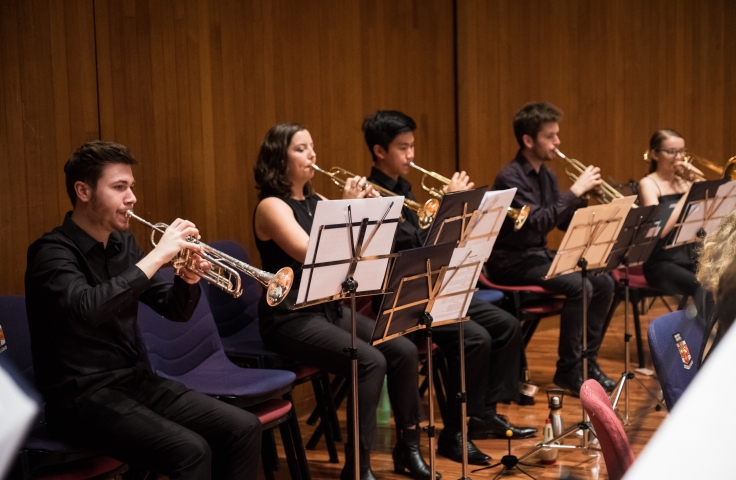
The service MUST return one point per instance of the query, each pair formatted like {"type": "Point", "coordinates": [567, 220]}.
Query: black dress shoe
{"type": "Point", "coordinates": [594, 371]}
{"type": "Point", "coordinates": [450, 445]}
{"type": "Point", "coordinates": [496, 427]}
{"type": "Point", "coordinates": [572, 380]}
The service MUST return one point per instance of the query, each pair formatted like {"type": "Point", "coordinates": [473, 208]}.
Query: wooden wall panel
{"type": "Point", "coordinates": [619, 70]}
{"type": "Point", "coordinates": [192, 87]}
{"type": "Point", "coordinates": [48, 106]}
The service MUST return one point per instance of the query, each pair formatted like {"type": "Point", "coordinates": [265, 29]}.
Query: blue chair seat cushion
{"type": "Point", "coordinates": [490, 295]}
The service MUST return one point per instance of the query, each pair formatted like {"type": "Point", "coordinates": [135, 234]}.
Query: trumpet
{"type": "Point", "coordinates": [607, 193]}
{"type": "Point", "coordinates": [426, 212]}
{"type": "Point", "coordinates": [222, 272]}
{"type": "Point", "coordinates": [703, 164]}
{"type": "Point", "coordinates": [518, 215]}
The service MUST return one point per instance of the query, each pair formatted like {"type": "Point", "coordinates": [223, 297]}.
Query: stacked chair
{"type": "Point", "coordinates": [43, 456]}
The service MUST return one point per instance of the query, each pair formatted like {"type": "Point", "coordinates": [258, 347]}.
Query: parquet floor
{"type": "Point", "coordinates": [542, 355]}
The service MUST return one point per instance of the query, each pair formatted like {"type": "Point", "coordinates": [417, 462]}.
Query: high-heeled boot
{"type": "Point", "coordinates": [365, 464]}
{"type": "Point", "coordinates": [408, 456]}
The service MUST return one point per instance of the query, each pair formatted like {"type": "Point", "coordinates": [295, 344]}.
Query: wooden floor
{"type": "Point", "coordinates": [542, 355]}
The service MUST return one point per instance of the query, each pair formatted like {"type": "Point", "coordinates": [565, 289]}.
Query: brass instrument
{"type": "Point", "coordinates": [222, 272]}
{"type": "Point", "coordinates": [426, 212]}
{"type": "Point", "coordinates": [519, 215]}
{"type": "Point", "coordinates": [607, 193]}
{"type": "Point", "coordinates": [710, 169]}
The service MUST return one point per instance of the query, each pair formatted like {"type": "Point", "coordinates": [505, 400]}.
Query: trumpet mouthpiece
{"type": "Point", "coordinates": [560, 153]}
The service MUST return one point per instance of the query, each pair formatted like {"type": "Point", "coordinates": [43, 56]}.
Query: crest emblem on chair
{"type": "Point", "coordinates": [682, 347]}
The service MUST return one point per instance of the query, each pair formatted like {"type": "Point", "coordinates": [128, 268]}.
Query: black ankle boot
{"type": "Point", "coordinates": [365, 465]}
{"type": "Point", "coordinates": [407, 455]}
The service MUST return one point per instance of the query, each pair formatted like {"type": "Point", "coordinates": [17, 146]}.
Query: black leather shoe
{"type": "Point", "coordinates": [572, 380]}
{"type": "Point", "coordinates": [450, 445]}
{"type": "Point", "coordinates": [365, 465]}
{"type": "Point", "coordinates": [594, 371]}
{"type": "Point", "coordinates": [495, 427]}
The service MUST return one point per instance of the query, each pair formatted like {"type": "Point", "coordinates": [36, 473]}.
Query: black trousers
{"type": "Point", "coordinates": [676, 279]}
{"type": "Point", "coordinates": [600, 295]}
{"type": "Point", "coordinates": [315, 340]}
{"type": "Point", "coordinates": [160, 425]}
{"type": "Point", "coordinates": [493, 353]}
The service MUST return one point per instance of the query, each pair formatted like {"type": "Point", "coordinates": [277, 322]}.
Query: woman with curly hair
{"type": "Point", "coordinates": [318, 335]}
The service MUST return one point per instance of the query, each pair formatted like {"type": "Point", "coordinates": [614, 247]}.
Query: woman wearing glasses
{"type": "Point", "coordinates": [670, 270]}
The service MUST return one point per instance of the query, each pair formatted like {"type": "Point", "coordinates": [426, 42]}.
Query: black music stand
{"type": "Point", "coordinates": [340, 254]}
{"type": "Point", "coordinates": [415, 284]}
{"type": "Point", "coordinates": [634, 245]}
{"type": "Point", "coordinates": [587, 244]}
{"type": "Point", "coordinates": [456, 222]}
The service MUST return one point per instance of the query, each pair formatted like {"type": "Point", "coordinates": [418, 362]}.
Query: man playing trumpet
{"type": "Point", "coordinates": [83, 283]}
{"type": "Point", "coordinates": [493, 341]}
{"type": "Point", "coordinates": [522, 257]}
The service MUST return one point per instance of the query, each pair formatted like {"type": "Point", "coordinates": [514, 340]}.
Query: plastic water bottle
{"type": "Point", "coordinates": [383, 411]}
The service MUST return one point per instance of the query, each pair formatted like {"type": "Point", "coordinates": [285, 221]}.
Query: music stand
{"type": "Point", "coordinates": [347, 259]}
{"type": "Point", "coordinates": [634, 245]}
{"type": "Point", "coordinates": [472, 220]}
{"type": "Point", "coordinates": [414, 286]}
{"type": "Point", "coordinates": [587, 244]}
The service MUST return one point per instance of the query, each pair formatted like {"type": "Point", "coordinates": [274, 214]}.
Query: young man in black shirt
{"type": "Point", "coordinates": [522, 258]}
{"type": "Point", "coordinates": [493, 344]}
{"type": "Point", "coordinates": [83, 283]}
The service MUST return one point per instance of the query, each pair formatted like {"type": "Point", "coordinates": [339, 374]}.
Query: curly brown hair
{"type": "Point", "coordinates": [271, 167]}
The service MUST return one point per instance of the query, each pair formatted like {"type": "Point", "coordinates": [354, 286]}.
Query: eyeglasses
{"type": "Point", "coordinates": [673, 152]}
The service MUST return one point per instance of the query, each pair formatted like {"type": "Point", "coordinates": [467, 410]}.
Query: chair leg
{"type": "Point", "coordinates": [637, 328]}
{"type": "Point", "coordinates": [325, 415]}
{"type": "Point", "coordinates": [269, 455]}
{"type": "Point", "coordinates": [342, 391]}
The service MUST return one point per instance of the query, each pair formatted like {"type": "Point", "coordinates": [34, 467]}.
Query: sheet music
{"type": "Point", "coordinates": [18, 412]}
{"type": "Point", "coordinates": [483, 234]}
{"type": "Point", "coordinates": [707, 214]}
{"type": "Point", "coordinates": [456, 291]}
{"type": "Point", "coordinates": [324, 272]}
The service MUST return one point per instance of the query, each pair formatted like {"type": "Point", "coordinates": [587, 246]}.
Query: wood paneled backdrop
{"type": "Point", "coordinates": [192, 86]}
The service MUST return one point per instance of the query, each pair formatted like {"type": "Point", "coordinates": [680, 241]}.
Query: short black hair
{"type": "Point", "coordinates": [532, 116]}
{"type": "Point", "coordinates": [89, 161]}
{"type": "Point", "coordinates": [382, 127]}
{"type": "Point", "coordinates": [270, 170]}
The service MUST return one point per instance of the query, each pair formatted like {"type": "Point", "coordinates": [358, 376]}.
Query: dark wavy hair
{"type": "Point", "coordinates": [655, 143]}
{"type": "Point", "coordinates": [271, 167]}
{"type": "Point", "coordinates": [88, 162]}
{"type": "Point", "coordinates": [530, 119]}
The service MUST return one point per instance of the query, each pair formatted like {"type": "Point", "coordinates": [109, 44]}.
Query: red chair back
{"type": "Point", "coordinates": [615, 445]}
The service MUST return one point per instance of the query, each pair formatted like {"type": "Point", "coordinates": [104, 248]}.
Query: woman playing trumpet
{"type": "Point", "coordinates": [319, 334]}
{"type": "Point", "coordinates": [670, 270]}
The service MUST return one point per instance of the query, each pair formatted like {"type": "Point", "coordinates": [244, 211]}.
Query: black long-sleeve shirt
{"type": "Point", "coordinates": [82, 303]}
{"type": "Point", "coordinates": [408, 234]}
{"type": "Point", "coordinates": [549, 209]}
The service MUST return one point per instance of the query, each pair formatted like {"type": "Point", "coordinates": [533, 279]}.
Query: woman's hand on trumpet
{"type": "Point", "coordinates": [688, 171]}
{"type": "Point", "coordinates": [358, 187]}
{"type": "Point", "coordinates": [460, 181]}
{"type": "Point", "coordinates": [589, 180]}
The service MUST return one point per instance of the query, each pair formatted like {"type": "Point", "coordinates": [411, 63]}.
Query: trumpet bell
{"type": "Point", "coordinates": [519, 215]}
{"type": "Point", "coordinates": [279, 286]}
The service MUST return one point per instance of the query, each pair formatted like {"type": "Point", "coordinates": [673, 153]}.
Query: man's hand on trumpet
{"type": "Point", "coordinates": [460, 181]}
{"type": "Point", "coordinates": [358, 187]}
{"type": "Point", "coordinates": [174, 240]}
{"type": "Point", "coordinates": [589, 180]}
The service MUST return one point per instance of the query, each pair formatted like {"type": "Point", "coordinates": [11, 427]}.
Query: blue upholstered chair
{"type": "Point", "coordinates": [42, 454]}
{"type": "Point", "coordinates": [674, 342]}
{"type": "Point", "coordinates": [192, 353]}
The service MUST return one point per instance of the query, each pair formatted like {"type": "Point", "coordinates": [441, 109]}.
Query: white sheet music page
{"type": "Point", "coordinates": [330, 239]}
{"type": "Point", "coordinates": [452, 301]}
{"type": "Point", "coordinates": [484, 231]}
{"type": "Point", "coordinates": [18, 411]}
